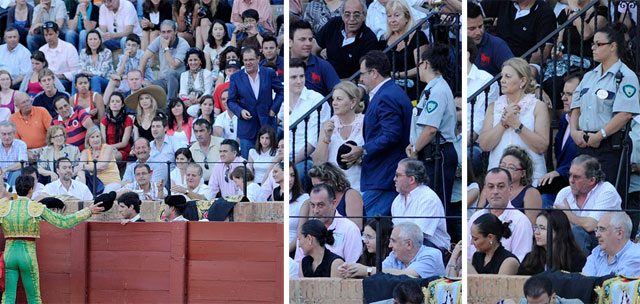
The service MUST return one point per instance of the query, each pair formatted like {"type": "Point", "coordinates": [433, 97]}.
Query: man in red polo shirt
{"type": "Point", "coordinates": [75, 120]}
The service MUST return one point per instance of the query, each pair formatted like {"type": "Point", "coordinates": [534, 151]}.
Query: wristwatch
{"type": "Point", "coordinates": [369, 271]}
{"type": "Point", "coordinates": [519, 129]}
{"type": "Point", "coordinates": [604, 134]}
{"type": "Point", "coordinates": [165, 49]}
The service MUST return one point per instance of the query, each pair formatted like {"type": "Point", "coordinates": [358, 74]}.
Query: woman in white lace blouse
{"type": "Point", "coordinates": [196, 81]}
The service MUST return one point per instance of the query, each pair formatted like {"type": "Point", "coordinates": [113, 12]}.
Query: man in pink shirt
{"type": "Point", "coordinates": [262, 6]}
{"type": "Point", "coordinates": [220, 180]}
{"type": "Point", "coordinates": [348, 241]}
{"type": "Point", "coordinates": [497, 186]}
{"type": "Point", "coordinates": [61, 56]}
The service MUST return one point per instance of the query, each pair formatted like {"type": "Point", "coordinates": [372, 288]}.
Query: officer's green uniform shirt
{"type": "Point", "coordinates": [439, 111]}
{"type": "Point", "coordinates": [598, 98]}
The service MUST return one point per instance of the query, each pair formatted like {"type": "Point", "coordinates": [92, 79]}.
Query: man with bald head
{"type": "Point", "coordinates": [344, 39]}
{"type": "Point", "coordinates": [157, 163]}
{"type": "Point", "coordinates": [31, 122]}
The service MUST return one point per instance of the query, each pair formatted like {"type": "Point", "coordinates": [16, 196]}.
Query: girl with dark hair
{"type": "Point", "coordinates": [87, 99]}
{"type": "Point", "coordinates": [490, 257]}
{"type": "Point", "coordinates": [196, 80]}
{"type": "Point", "coordinates": [369, 235]}
{"type": "Point", "coordinates": [178, 174]}
{"type": "Point", "coordinates": [203, 110]}
{"type": "Point", "coordinates": [318, 260]}
{"type": "Point", "coordinates": [116, 126]}
{"type": "Point", "coordinates": [262, 155]}
{"type": "Point", "coordinates": [180, 123]}
{"type": "Point", "coordinates": [278, 177]}
{"type": "Point", "coordinates": [567, 255]}
{"type": "Point", "coordinates": [185, 12]}
{"type": "Point", "coordinates": [153, 13]}
{"type": "Point", "coordinates": [31, 83]}
{"type": "Point", "coordinates": [217, 41]}
{"type": "Point", "coordinates": [297, 198]}
{"type": "Point", "coordinates": [96, 61]}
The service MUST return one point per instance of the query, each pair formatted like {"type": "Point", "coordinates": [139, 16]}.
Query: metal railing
{"type": "Point", "coordinates": [378, 229]}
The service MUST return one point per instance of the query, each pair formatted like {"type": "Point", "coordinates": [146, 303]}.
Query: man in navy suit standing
{"type": "Point", "coordinates": [386, 131]}
{"type": "Point", "coordinates": [250, 98]}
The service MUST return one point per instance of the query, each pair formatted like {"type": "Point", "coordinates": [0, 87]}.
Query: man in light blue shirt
{"type": "Point", "coordinates": [409, 256]}
{"type": "Point", "coordinates": [158, 165]}
{"type": "Point", "coordinates": [162, 145]}
{"type": "Point", "coordinates": [14, 56]}
{"type": "Point", "coordinates": [615, 252]}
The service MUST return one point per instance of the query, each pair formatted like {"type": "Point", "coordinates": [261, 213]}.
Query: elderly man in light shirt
{"type": "Point", "coordinates": [587, 190]}
{"type": "Point", "coordinates": [417, 199]}
{"type": "Point", "coordinates": [65, 184]}
{"type": "Point", "coordinates": [408, 257]}
{"type": "Point", "coordinates": [615, 253]}
{"type": "Point", "coordinates": [12, 152]}
{"type": "Point", "coordinates": [497, 187]}
{"type": "Point", "coordinates": [348, 241]}
{"type": "Point", "coordinates": [194, 188]}
{"type": "Point", "coordinates": [15, 56]}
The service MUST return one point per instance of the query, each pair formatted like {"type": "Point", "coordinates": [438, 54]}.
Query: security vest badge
{"type": "Point", "coordinates": [629, 90]}
{"type": "Point", "coordinates": [431, 106]}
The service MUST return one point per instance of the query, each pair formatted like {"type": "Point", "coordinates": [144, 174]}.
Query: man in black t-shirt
{"type": "Point", "coordinates": [522, 24]}
{"type": "Point", "coordinates": [343, 40]}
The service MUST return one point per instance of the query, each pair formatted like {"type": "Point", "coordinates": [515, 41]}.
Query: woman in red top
{"type": "Point", "coordinates": [116, 126]}
{"type": "Point", "coordinates": [180, 122]}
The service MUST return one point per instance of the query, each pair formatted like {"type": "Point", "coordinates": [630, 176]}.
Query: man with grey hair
{"type": "Point", "coordinates": [408, 256]}
{"type": "Point", "coordinates": [615, 253]}
{"type": "Point", "coordinates": [417, 199]}
{"type": "Point", "coordinates": [195, 189]}
{"type": "Point", "coordinates": [344, 39]}
{"type": "Point", "coordinates": [587, 191]}
{"type": "Point", "coordinates": [171, 50]}
{"type": "Point", "coordinates": [12, 153]}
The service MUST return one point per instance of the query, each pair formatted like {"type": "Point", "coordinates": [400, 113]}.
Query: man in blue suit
{"type": "Point", "coordinates": [564, 147]}
{"type": "Point", "coordinates": [387, 123]}
{"type": "Point", "coordinates": [250, 98]}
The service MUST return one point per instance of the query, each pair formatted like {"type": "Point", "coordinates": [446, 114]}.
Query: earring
{"type": "Point", "coordinates": [522, 86]}
{"type": "Point", "coordinates": [490, 242]}
{"type": "Point", "coordinates": [309, 242]}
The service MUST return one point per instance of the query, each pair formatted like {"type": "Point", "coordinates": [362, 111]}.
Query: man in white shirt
{"type": "Point", "coordinates": [301, 100]}
{"type": "Point", "coordinates": [118, 19]}
{"type": "Point", "coordinates": [497, 188]}
{"type": "Point", "coordinates": [129, 208]}
{"type": "Point", "coordinates": [348, 241]}
{"type": "Point", "coordinates": [587, 190]}
{"type": "Point", "coordinates": [194, 190]}
{"type": "Point", "coordinates": [65, 184]}
{"type": "Point", "coordinates": [417, 199]}
{"type": "Point", "coordinates": [62, 56]}
{"type": "Point", "coordinates": [15, 56]}
{"type": "Point", "coordinates": [476, 78]}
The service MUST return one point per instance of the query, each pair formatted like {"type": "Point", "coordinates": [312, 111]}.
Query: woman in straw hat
{"type": "Point", "coordinates": [146, 101]}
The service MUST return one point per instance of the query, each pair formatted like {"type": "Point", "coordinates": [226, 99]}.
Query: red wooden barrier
{"type": "Point", "coordinates": [98, 262]}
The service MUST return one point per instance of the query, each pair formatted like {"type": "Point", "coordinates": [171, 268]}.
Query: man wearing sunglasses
{"type": "Point", "coordinates": [220, 180]}
{"type": "Point", "coordinates": [62, 56]}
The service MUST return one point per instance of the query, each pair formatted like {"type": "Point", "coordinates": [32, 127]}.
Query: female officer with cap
{"type": "Point", "coordinates": [604, 101]}
{"type": "Point", "coordinates": [434, 118]}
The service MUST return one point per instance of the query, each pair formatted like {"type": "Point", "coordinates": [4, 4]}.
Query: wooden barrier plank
{"type": "Point", "coordinates": [125, 239]}
{"type": "Point", "coordinates": [128, 296]}
{"type": "Point", "coordinates": [128, 260]}
{"type": "Point", "coordinates": [232, 290]}
{"type": "Point", "coordinates": [255, 232]}
{"type": "Point", "coordinates": [53, 262]}
{"type": "Point", "coordinates": [78, 267]}
{"type": "Point", "coordinates": [241, 271]}
{"type": "Point", "coordinates": [280, 261]}
{"type": "Point", "coordinates": [233, 250]}
{"type": "Point", "coordinates": [111, 226]}
{"type": "Point", "coordinates": [178, 263]}
{"type": "Point", "coordinates": [130, 280]}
